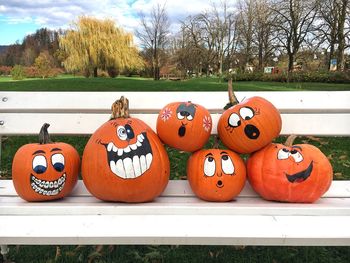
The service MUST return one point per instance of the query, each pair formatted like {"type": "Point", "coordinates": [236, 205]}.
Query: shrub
{"type": "Point", "coordinates": [17, 72]}
{"type": "Point", "coordinates": [112, 72]}
{"type": "Point", "coordinates": [5, 70]}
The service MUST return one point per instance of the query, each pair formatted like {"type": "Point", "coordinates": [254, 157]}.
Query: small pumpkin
{"type": "Point", "coordinates": [216, 174]}
{"type": "Point", "coordinates": [185, 126]}
{"type": "Point", "coordinates": [124, 160]}
{"type": "Point", "coordinates": [45, 170]}
{"type": "Point", "coordinates": [249, 125]}
{"type": "Point", "coordinates": [298, 173]}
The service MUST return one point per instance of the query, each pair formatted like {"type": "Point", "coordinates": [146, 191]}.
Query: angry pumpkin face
{"type": "Point", "coordinates": [297, 173]}
{"type": "Point", "coordinates": [184, 125]}
{"type": "Point", "coordinates": [43, 172]}
{"type": "Point", "coordinates": [125, 161]}
{"type": "Point", "coordinates": [216, 175]}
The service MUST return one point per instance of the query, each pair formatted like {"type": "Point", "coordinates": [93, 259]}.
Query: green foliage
{"type": "Point", "coordinates": [17, 72]}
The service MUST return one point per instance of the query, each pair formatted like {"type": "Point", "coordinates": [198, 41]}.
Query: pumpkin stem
{"type": "Point", "coordinates": [231, 96]}
{"type": "Point", "coordinates": [44, 136]}
{"type": "Point", "coordinates": [120, 108]}
{"type": "Point", "coordinates": [216, 142]}
{"type": "Point", "coordinates": [290, 140]}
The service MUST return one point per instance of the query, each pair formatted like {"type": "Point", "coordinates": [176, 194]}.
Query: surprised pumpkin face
{"type": "Point", "coordinates": [184, 125]}
{"type": "Point", "coordinates": [216, 175]}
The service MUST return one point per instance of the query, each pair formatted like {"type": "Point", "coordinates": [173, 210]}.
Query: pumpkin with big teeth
{"type": "Point", "coordinates": [124, 160]}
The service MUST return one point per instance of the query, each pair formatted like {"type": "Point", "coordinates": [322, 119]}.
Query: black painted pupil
{"type": "Point", "coordinates": [58, 167]}
{"type": "Point", "coordinates": [293, 151]}
{"type": "Point", "coordinates": [247, 118]}
{"type": "Point", "coordinates": [224, 157]}
{"type": "Point", "coordinates": [285, 150]}
{"type": "Point", "coordinates": [210, 159]}
{"type": "Point", "coordinates": [184, 113]}
{"type": "Point", "coordinates": [129, 131]}
{"type": "Point", "coordinates": [39, 169]}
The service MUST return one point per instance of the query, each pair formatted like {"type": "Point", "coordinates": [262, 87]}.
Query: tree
{"type": "Point", "coordinates": [44, 64]}
{"type": "Point", "coordinates": [294, 23]}
{"type": "Point", "coordinates": [95, 44]}
{"type": "Point", "coordinates": [153, 35]}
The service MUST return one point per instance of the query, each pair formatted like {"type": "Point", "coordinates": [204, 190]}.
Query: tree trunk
{"type": "Point", "coordinates": [95, 72]}
{"type": "Point", "coordinates": [341, 35]}
{"type": "Point", "coordinates": [290, 62]}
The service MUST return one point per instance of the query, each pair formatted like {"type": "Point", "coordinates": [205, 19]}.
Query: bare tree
{"type": "Point", "coordinates": [153, 35]}
{"type": "Point", "coordinates": [294, 22]}
{"type": "Point", "coordinates": [343, 8]}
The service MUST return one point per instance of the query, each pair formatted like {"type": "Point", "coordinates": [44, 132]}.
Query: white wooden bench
{"type": "Point", "coordinates": [176, 217]}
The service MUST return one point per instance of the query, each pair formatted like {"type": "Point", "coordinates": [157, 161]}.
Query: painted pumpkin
{"type": "Point", "coordinates": [124, 160]}
{"type": "Point", "coordinates": [249, 125]}
{"type": "Point", "coordinates": [216, 174]}
{"type": "Point", "coordinates": [184, 125]}
{"type": "Point", "coordinates": [290, 173]}
{"type": "Point", "coordinates": [45, 171]}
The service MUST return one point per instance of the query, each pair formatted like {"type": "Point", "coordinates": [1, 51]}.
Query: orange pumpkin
{"type": "Point", "coordinates": [249, 125]}
{"type": "Point", "coordinates": [216, 174]}
{"type": "Point", "coordinates": [290, 173]}
{"type": "Point", "coordinates": [124, 160]}
{"type": "Point", "coordinates": [45, 171]}
{"type": "Point", "coordinates": [184, 125]}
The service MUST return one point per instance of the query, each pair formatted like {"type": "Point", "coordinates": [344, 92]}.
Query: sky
{"type": "Point", "coordinates": [19, 18]}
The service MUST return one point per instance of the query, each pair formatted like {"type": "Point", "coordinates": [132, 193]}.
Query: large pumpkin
{"type": "Point", "coordinates": [45, 170]}
{"type": "Point", "coordinates": [290, 173]}
{"type": "Point", "coordinates": [249, 125]}
{"type": "Point", "coordinates": [184, 125]}
{"type": "Point", "coordinates": [124, 160]}
{"type": "Point", "coordinates": [216, 174]}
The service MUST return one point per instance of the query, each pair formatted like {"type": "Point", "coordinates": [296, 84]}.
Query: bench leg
{"type": "Point", "coordinates": [4, 250]}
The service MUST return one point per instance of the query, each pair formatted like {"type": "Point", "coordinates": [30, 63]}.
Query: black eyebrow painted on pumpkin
{"type": "Point", "coordinates": [56, 149]}
{"type": "Point", "coordinates": [223, 152]}
{"type": "Point", "coordinates": [298, 147]}
{"type": "Point", "coordinates": [38, 151]}
{"type": "Point", "coordinates": [209, 154]}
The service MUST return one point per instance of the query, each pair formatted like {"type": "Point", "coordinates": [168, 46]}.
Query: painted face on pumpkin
{"type": "Point", "coordinates": [217, 168]}
{"type": "Point", "coordinates": [129, 154]}
{"type": "Point", "coordinates": [185, 113]}
{"type": "Point", "coordinates": [294, 155]}
{"type": "Point", "coordinates": [48, 163]}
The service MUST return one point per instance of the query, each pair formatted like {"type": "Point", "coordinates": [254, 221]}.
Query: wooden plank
{"type": "Point", "coordinates": [287, 102]}
{"type": "Point", "coordinates": [181, 188]}
{"type": "Point", "coordinates": [84, 124]}
{"type": "Point", "coordinates": [184, 230]}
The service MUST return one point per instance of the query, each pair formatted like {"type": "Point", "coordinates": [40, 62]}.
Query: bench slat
{"type": "Point", "coordinates": [286, 102]}
{"type": "Point", "coordinates": [84, 124]}
{"type": "Point", "coordinates": [176, 229]}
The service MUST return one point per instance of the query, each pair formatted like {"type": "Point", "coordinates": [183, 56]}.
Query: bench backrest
{"type": "Point", "coordinates": [77, 113]}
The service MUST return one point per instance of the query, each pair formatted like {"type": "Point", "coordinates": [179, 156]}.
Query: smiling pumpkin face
{"type": "Point", "coordinates": [216, 175]}
{"type": "Point", "coordinates": [125, 161]}
{"type": "Point", "coordinates": [184, 125]}
{"type": "Point", "coordinates": [298, 173]}
{"type": "Point", "coordinates": [42, 172]}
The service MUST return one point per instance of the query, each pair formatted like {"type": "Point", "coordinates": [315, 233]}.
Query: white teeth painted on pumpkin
{"type": "Point", "coordinates": [110, 146]}
{"type": "Point", "coordinates": [127, 149]}
{"type": "Point", "coordinates": [48, 188]}
{"type": "Point", "coordinates": [133, 146]}
{"type": "Point", "coordinates": [120, 169]}
{"type": "Point", "coordinates": [115, 149]}
{"type": "Point", "coordinates": [149, 159]}
{"type": "Point", "coordinates": [143, 137]}
{"type": "Point", "coordinates": [129, 168]}
{"type": "Point", "coordinates": [137, 166]}
{"type": "Point", "coordinates": [143, 163]}
{"type": "Point", "coordinates": [113, 167]}
{"type": "Point", "coordinates": [120, 152]}
{"type": "Point", "coordinates": [140, 138]}
{"type": "Point", "coordinates": [138, 144]}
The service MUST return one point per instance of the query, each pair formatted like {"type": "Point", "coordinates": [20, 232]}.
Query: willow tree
{"type": "Point", "coordinates": [94, 44]}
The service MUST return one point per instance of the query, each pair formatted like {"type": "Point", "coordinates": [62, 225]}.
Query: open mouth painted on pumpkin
{"type": "Point", "coordinates": [301, 176]}
{"type": "Point", "coordinates": [47, 187]}
{"type": "Point", "coordinates": [220, 184]}
{"type": "Point", "coordinates": [133, 160]}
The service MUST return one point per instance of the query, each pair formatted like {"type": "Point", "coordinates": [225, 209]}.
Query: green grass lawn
{"type": "Point", "coordinates": [337, 150]}
{"type": "Point", "coordinates": [71, 83]}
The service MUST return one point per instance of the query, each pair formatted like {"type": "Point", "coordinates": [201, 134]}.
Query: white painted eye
{"type": "Point", "coordinates": [180, 116]}
{"type": "Point", "coordinates": [189, 117]}
{"type": "Point", "coordinates": [58, 162]}
{"type": "Point", "coordinates": [246, 113]}
{"type": "Point", "coordinates": [121, 132]}
{"type": "Point", "coordinates": [234, 120]}
{"type": "Point", "coordinates": [39, 164]}
{"type": "Point", "coordinates": [209, 166]}
{"type": "Point", "coordinates": [283, 154]}
{"type": "Point", "coordinates": [297, 156]}
{"type": "Point", "coordinates": [227, 165]}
